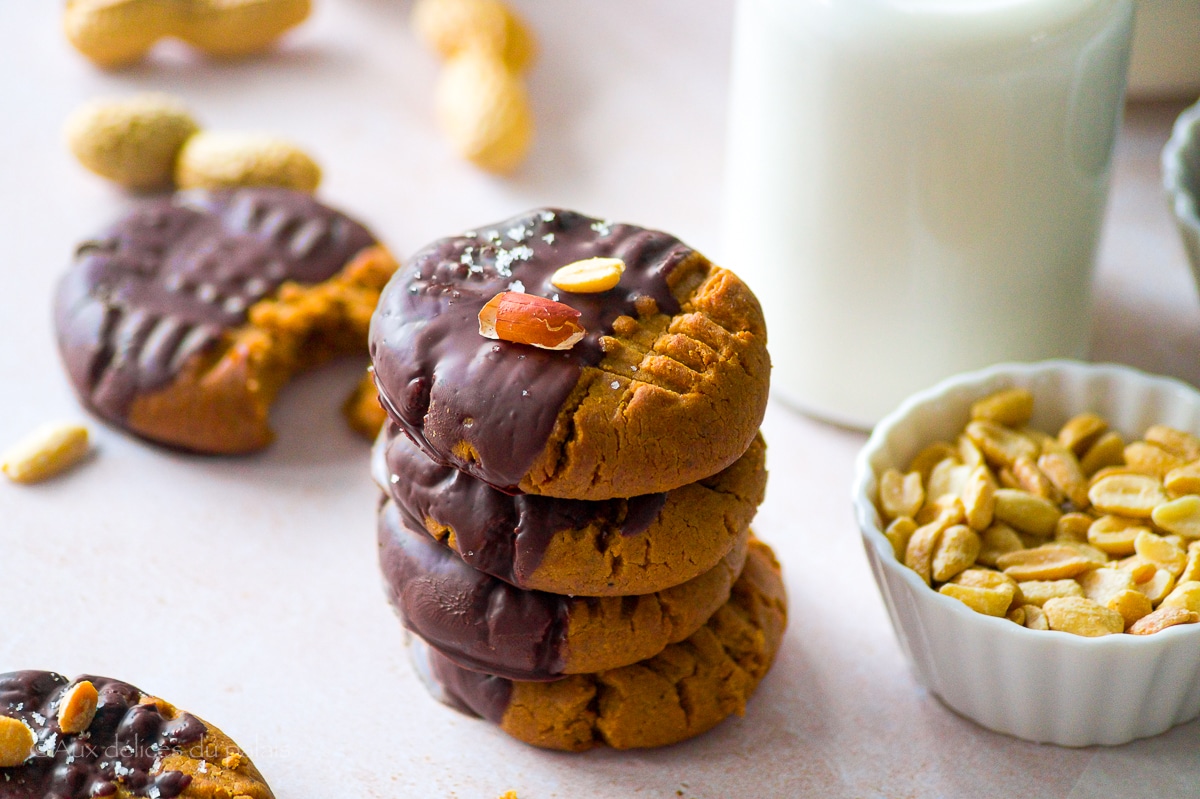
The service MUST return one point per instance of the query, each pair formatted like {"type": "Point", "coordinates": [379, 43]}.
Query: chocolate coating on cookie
{"type": "Point", "coordinates": [686, 689]}
{"type": "Point", "coordinates": [501, 534]}
{"type": "Point", "coordinates": [123, 747]}
{"type": "Point", "coordinates": [446, 385]}
{"type": "Point", "coordinates": [166, 282]}
{"type": "Point", "coordinates": [486, 624]}
{"type": "Point", "coordinates": [615, 547]}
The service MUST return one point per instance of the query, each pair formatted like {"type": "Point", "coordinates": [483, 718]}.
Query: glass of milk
{"type": "Point", "coordinates": [915, 188]}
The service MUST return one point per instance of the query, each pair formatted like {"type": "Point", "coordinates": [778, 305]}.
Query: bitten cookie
{"type": "Point", "coordinates": [99, 737]}
{"type": "Point", "coordinates": [483, 623]}
{"type": "Point", "coordinates": [614, 547]}
{"type": "Point", "coordinates": [667, 387]}
{"type": "Point", "coordinates": [182, 322]}
{"type": "Point", "coordinates": [683, 691]}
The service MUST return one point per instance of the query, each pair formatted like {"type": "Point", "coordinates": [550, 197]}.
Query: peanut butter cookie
{"type": "Point", "coordinates": [667, 386]}
{"type": "Point", "coordinates": [614, 547]}
{"type": "Point", "coordinates": [483, 623]}
{"type": "Point", "coordinates": [183, 321]}
{"type": "Point", "coordinates": [679, 693]}
{"type": "Point", "coordinates": [99, 737]}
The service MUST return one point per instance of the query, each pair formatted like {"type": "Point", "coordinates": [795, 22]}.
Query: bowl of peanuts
{"type": "Point", "coordinates": [1034, 530]}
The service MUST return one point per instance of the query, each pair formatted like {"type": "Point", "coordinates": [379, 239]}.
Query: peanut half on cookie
{"type": "Point", "coordinates": [649, 384]}
{"type": "Point", "coordinates": [93, 736]}
{"type": "Point", "coordinates": [183, 321]}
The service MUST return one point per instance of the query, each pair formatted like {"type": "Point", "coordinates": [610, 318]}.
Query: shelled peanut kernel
{"type": "Point", "coordinates": [1078, 532]}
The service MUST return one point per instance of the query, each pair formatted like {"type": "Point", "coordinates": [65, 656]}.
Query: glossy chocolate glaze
{"type": "Point", "coordinates": [123, 745]}
{"type": "Point", "coordinates": [166, 281]}
{"type": "Point", "coordinates": [503, 535]}
{"type": "Point", "coordinates": [480, 622]}
{"type": "Point", "coordinates": [472, 692]}
{"type": "Point", "coordinates": [444, 383]}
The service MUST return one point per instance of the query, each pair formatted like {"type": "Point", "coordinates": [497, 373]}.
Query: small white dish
{"type": "Point", "coordinates": [1042, 686]}
{"type": "Point", "coordinates": [1181, 179]}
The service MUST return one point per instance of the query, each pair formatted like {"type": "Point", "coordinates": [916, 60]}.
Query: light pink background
{"type": "Point", "coordinates": [246, 590]}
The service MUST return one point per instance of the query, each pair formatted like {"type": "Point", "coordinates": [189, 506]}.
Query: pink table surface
{"type": "Point", "coordinates": [246, 590]}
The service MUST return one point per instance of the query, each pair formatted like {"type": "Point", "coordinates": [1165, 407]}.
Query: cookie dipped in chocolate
{"type": "Point", "coordinates": [158, 322]}
{"type": "Point", "coordinates": [686, 689]}
{"type": "Point", "coordinates": [614, 547]}
{"type": "Point", "coordinates": [485, 624]}
{"type": "Point", "coordinates": [667, 386]}
{"type": "Point", "coordinates": [127, 743]}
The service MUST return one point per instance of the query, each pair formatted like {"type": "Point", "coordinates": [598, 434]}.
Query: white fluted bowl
{"type": "Point", "coordinates": [1043, 686]}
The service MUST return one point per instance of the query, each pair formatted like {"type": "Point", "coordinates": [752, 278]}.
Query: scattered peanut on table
{"type": "Point", "coordinates": [113, 33]}
{"type": "Point", "coordinates": [1078, 532]}
{"type": "Point", "coordinates": [150, 141]}
{"type": "Point", "coordinates": [45, 452]}
{"type": "Point", "coordinates": [481, 100]}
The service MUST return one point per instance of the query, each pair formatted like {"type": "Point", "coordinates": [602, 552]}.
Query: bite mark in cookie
{"type": "Point", "coordinates": [182, 322]}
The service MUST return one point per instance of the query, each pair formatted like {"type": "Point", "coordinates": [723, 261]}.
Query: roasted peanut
{"type": "Point", "coordinates": [998, 539]}
{"type": "Point", "coordinates": [47, 451]}
{"type": "Point", "coordinates": [1000, 445]}
{"type": "Point", "coordinates": [900, 494]}
{"type": "Point", "coordinates": [451, 26]}
{"type": "Point", "coordinates": [1179, 443]}
{"type": "Point", "coordinates": [1184, 595]}
{"type": "Point", "coordinates": [1036, 592]}
{"type": "Point", "coordinates": [1133, 495]}
{"type": "Point", "coordinates": [898, 533]}
{"type": "Point", "coordinates": [1115, 534]}
{"type": "Point", "coordinates": [1062, 469]}
{"type": "Point", "coordinates": [1073, 527]}
{"type": "Point", "coordinates": [1161, 552]}
{"type": "Point", "coordinates": [225, 160]}
{"type": "Point", "coordinates": [594, 275]}
{"type": "Point", "coordinates": [113, 33]}
{"type": "Point", "coordinates": [150, 141]}
{"type": "Point", "coordinates": [1109, 450]}
{"type": "Point", "coordinates": [133, 142]}
{"type": "Point", "coordinates": [1011, 407]}
{"type": "Point", "coordinates": [1184, 480]}
{"type": "Point", "coordinates": [16, 742]}
{"type": "Point", "coordinates": [1081, 616]}
{"type": "Point", "coordinates": [483, 109]}
{"type": "Point", "coordinates": [1150, 459]}
{"type": "Point", "coordinates": [988, 601]}
{"type": "Point", "coordinates": [1156, 589]}
{"type": "Point", "coordinates": [1163, 618]}
{"type": "Point", "coordinates": [924, 461]}
{"type": "Point", "coordinates": [979, 497]}
{"type": "Point", "coordinates": [78, 708]}
{"type": "Point", "coordinates": [1035, 618]}
{"type": "Point", "coordinates": [1180, 516]}
{"type": "Point", "coordinates": [1026, 512]}
{"type": "Point", "coordinates": [1048, 562]}
{"type": "Point", "coordinates": [530, 319]}
{"type": "Point", "coordinates": [956, 550]}
{"type": "Point", "coordinates": [1031, 478]}
{"type": "Point", "coordinates": [1081, 432]}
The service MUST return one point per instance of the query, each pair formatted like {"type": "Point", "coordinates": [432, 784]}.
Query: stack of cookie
{"type": "Point", "coordinates": [566, 526]}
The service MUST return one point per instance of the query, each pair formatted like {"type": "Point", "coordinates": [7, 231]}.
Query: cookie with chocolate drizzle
{"type": "Point", "coordinates": [182, 321]}
{"type": "Point", "coordinates": [667, 386]}
{"type": "Point", "coordinates": [485, 624]}
{"type": "Point", "coordinates": [686, 689]}
{"type": "Point", "coordinates": [614, 547]}
{"type": "Point", "coordinates": [119, 741]}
